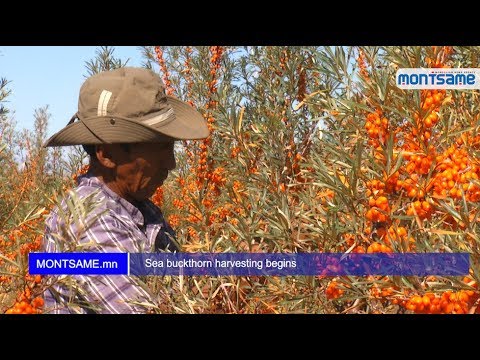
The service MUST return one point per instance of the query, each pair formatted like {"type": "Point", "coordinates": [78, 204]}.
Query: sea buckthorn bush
{"type": "Point", "coordinates": [312, 149]}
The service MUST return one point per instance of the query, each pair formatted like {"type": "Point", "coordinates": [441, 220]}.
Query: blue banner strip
{"type": "Point", "coordinates": [251, 264]}
{"type": "Point", "coordinates": [328, 264]}
{"type": "Point", "coordinates": [78, 263]}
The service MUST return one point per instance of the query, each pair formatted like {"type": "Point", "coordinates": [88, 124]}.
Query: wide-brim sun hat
{"type": "Point", "coordinates": [129, 105]}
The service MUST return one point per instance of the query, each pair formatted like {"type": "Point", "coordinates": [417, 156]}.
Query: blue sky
{"type": "Point", "coordinates": [50, 75]}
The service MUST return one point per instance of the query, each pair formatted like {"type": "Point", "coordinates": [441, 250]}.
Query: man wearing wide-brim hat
{"type": "Point", "coordinates": [128, 125]}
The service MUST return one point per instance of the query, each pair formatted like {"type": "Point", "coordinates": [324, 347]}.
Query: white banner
{"type": "Point", "coordinates": [438, 78]}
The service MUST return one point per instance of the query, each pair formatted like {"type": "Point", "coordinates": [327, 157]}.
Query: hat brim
{"type": "Point", "coordinates": [188, 124]}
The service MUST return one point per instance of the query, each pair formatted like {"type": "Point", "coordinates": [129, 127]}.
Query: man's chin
{"type": "Point", "coordinates": [146, 193]}
{"type": "Point", "coordinates": [151, 190]}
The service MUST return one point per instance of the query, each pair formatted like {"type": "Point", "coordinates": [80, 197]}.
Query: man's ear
{"type": "Point", "coordinates": [104, 153]}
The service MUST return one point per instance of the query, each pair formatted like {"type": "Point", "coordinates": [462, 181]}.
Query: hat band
{"type": "Point", "coordinates": [159, 118]}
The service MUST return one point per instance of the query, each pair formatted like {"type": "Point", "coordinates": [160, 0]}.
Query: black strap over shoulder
{"type": "Point", "coordinates": [164, 242]}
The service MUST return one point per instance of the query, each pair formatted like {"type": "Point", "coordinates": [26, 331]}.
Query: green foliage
{"type": "Point", "coordinates": [4, 92]}
{"type": "Point", "coordinates": [104, 60]}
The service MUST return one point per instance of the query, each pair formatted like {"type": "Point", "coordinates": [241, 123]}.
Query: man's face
{"type": "Point", "coordinates": [142, 169]}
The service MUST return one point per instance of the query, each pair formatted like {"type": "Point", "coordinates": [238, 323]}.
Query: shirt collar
{"type": "Point", "coordinates": [132, 210]}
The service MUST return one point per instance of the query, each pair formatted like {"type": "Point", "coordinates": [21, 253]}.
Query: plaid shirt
{"type": "Point", "coordinates": [94, 218]}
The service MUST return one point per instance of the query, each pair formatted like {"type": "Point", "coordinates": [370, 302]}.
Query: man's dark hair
{"type": "Point", "coordinates": [90, 150]}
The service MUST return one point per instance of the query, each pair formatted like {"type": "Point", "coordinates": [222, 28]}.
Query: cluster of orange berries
{"type": "Point", "coordinates": [472, 140]}
{"type": "Point", "coordinates": [295, 167]}
{"type": "Point", "coordinates": [211, 213]}
{"type": "Point", "coordinates": [186, 64]}
{"type": "Point", "coordinates": [414, 186]}
{"type": "Point", "coordinates": [208, 203]}
{"type": "Point", "coordinates": [414, 189]}
{"type": "Point", "coordinates": [202, 162]}
{"type": "Point", "coordinates": [31, 246]}
{"type": "Point", "coordinates": [378, 291]}
{"type": "Point", "coordinates": [188, 74]}
{"type": "Point", "coordinates": [349, 241]}
{"type": "Point", "coordinates": [9, 247]}
{"type": "Point", "coordinates": [211, 104]}
{"type": "Point", "coordinates": [190, 154]}
{"type": "Point", "coordinates": [178, 203]}
{"type": "Point", "coordinates": [157, 197]}
{"type": "Point", "coordinates": [333, 291]}
{"type": "Point", "coordinates": [282, 63]}
{"type": "Point", "coordinates": [181, 181]}
{"type": "Point", "coordinates": [391, 182]}
{"type": "Point", "coordinates": [359, 249]}
{"type": "Point", "coordinates": [377, 247]}
{"type": "Point", "coordinates": [217, 178]}
{"type": "Point", "coordinates": [302, 83]}
{"type": "Point", "coordinates": [378, 213]}
{"type": "Point", "coordinates": [411, 187]}
{"type": "Point", "coordinates": [377, 128]}
{"type": "Point", "coordinates": [27, 307]}
{"type": "Point", "coordinates": [166, 74]}
{"type": "Point", "coordinates": [362, 64]}
{"type": "Point", "coordinates": [26, 303]}
{"type": "Point", "coordinates": [194, 215]}
{"type": "Point", "coordinates": [378, 203]}
{"type": "Point", "coordinates": [215, 59]}
{"type": "Point", "coordinates": [210, 121]}
{"type": "Point", "coordinates": [239, 192]}
{"type": "Point", "coordinates": [456, 175]}
{"type": "Point", "coordinates": [427, 123]}
{"type": "Point", "coordinates": [379, 209]}
{"type": "Point", "coordinates": [325, 196]}
{"type": "Point", "coordinates": [283, 113]}
{"type": "Point", "coordinates": [82, 171]}
{"type": "Point", "coordinates": [174, 220]}
{"type": "Point", "coordinates": [237, 186]}
{"type": "Point", "coordinates": [449, 302]}
{"type": "Point", "coordinates": [423, 209]}
{"type": "Point", "coordinates": [192, 232]}
{"type": "Point", "coordinates": [420, 163]}
{"type": "Point", "coordinates": [8, 241]}
{"type": "Point", "coordinates": [432, 100]}
{"type": "Point", "coordinates": [395, 234]}
{"type": "Point", "coordinates": [428, 116]}
{"type": "Point", "coordinates": [234, 152]}
{"type": "Point", "coordinates": [224, 213]}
